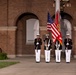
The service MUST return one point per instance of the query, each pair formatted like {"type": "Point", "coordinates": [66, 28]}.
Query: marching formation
{"type": "Point", "coordinates": [48, 48]}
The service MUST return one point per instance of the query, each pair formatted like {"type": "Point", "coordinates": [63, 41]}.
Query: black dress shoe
{"type": "Point", "coordinates": [57, 62]}
{"type": "Point", "coordinates": [37, 62]}
{"type": "Point", "coordinates": [47, 62]}
{"type": "Point", "coordinates": [67, 62]}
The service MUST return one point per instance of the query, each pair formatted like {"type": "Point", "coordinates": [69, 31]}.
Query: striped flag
{"type": "Point", "coordinates": [57, 23]}
{"type": "Point", "coordinates": [51, 26]}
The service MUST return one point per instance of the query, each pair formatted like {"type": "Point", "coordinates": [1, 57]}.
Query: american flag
{"type": "Point", "coordinates": [52, 27]}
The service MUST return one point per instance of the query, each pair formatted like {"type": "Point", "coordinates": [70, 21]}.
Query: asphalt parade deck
{"type": "Point", "coordinates": [28, 66]}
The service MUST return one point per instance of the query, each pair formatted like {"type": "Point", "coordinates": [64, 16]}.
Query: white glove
{"type": "Point", "coordinates": [59, 45]}
{"type": "Point", "coordinates": [67, 44]}
{"type": "Point", "coordinates": [45, 44]}
{"type": "Point", "coordinates": [37, 43]}
{"type": "Point", "coordinates": [48, 45]}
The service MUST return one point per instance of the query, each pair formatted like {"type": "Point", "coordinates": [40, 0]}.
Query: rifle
{"type": "Point", "coordinates": [57, 47]}
{"type": "Point", "coordinates": [37, 45]}
{"type": "Point", "coordinates": [67, 49]}
{"type": "Point", "coordinates": [37, 48]}
{"type": "Point", "coordinates": [47, 45]}
{"type": "Point", "coordinates": [67, 45]}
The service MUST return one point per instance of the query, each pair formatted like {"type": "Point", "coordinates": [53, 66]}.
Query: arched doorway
{"type": "Point", "coordinates": [26, 25]}
{"type": "Point", "coordinates": [66, 27]}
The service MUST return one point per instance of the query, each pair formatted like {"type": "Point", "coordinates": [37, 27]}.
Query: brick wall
{"type": "Point", "coordinates": [3, 12]}
{"type": "Point", "coordinates": [9, 16]}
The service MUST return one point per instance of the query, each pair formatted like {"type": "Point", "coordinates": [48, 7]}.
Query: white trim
{"type": "Point", "coordinates": [74, 56]}
{"type": "Point", "coordinates": [25, 55]}
{"type": "Point", "coordinates": [10, 28]}
{"type": "Point", "coordinates": [11, 56]}
{"type": "Point", "coordinates": [19, 55]}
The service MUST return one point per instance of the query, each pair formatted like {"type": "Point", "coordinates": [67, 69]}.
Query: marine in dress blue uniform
{"type": "Point", "coordinates": [37, 43]}
{"type": "Point", "coordinates": [47, 48]}
{"type": "Point", "coordinates": [58, 49]}
{"type": "Point", "coordinates": [68, 47]}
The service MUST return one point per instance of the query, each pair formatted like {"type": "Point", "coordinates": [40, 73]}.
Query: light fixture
{"type": "Point", "coordinates": [63, 4]}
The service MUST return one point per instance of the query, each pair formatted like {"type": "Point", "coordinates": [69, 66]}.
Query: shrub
{"type": "Point", "coordinates": [3, 56]}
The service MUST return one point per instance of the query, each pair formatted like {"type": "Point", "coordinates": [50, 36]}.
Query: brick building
{"type": "Point", "coordinates": [17, 20]}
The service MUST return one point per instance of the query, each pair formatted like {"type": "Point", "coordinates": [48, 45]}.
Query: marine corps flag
{"type": "Point", "coordinates": [57, 23]}
{"type": "Point", "coordinates": [52, 27]}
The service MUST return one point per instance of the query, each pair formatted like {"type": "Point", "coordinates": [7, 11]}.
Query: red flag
{"type": "Point", "coordinates": [57, 22]}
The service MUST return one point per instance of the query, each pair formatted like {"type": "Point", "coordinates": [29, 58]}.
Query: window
{"type": "Point", "coordinates": [32, 28]}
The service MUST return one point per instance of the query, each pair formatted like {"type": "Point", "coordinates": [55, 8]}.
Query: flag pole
{"type": "Point", "coordinates": [57, 14]}
{"type": "Point", "coordinates": [57, 6]}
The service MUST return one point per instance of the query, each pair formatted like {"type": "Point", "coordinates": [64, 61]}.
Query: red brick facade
{"type": "Point", "coordinates": [12, 36]}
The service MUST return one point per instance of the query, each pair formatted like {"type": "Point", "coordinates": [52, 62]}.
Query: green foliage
{"type": "Point", "coordinates": [3, 56]}
{"type": "Point", "coordinates": [5, 64]}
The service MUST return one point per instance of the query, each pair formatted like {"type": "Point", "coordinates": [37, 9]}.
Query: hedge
{"type": "Point", "coordinates": [3, 56]}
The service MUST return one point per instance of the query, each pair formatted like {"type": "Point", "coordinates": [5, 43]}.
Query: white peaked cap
{"type": "Point", "coordinates": [47, 34]}
{"type": "Point", "coordinates": [67, 34]}
{"type": "Point", "coordinates": [38, 34]}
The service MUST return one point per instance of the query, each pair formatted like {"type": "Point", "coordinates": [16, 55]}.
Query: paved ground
{"type": "Point", "coordinates": [27, 66]}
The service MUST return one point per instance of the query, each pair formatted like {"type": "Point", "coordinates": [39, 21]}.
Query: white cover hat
{"type": "Point", "coordinates": [47, 34]}
{"type": "Point", "coordinates": [67, 34]}
{"type": "Point", "coordinates": [38, 34]}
